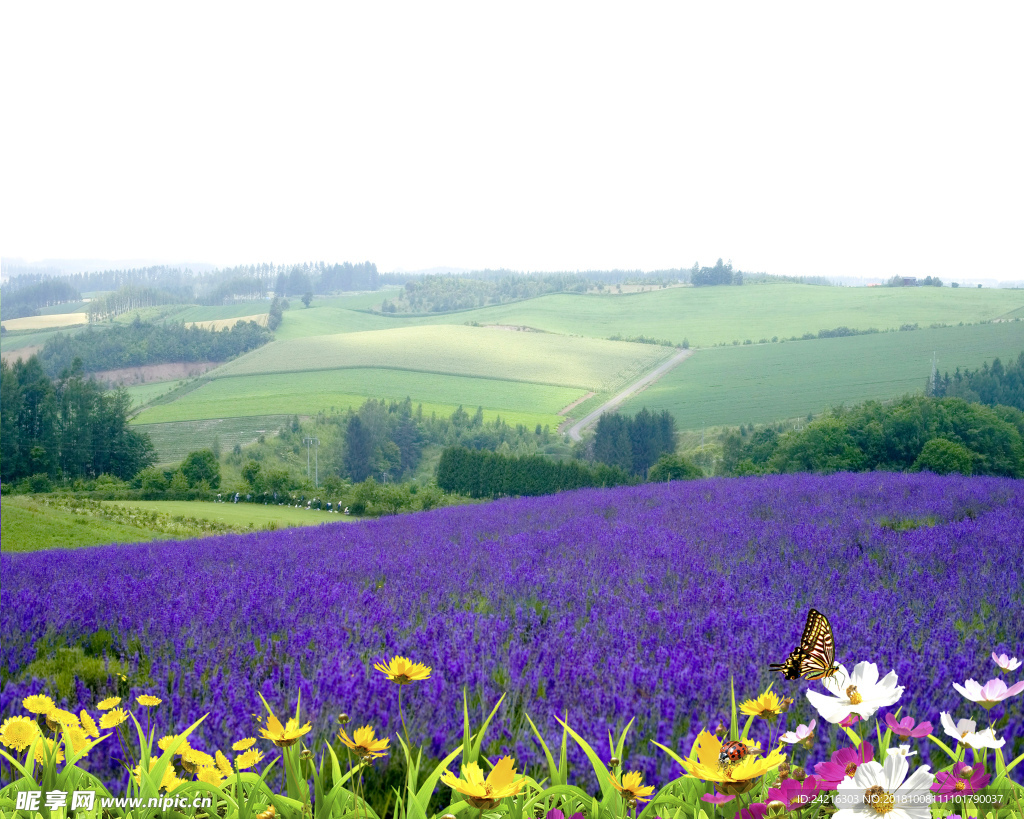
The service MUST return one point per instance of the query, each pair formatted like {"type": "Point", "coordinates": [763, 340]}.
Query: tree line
{"type": "Point", "coordinates": [719, 274]}
{"type": "Point", "coordinates": [990, 385]}
{"type": "Point", "coordinates": [18, 300]}
{"type": "Point", "coordinates": [634, 444]}
{"type": "Point", "coordinates": [128, 298]}
{"type": "Point", "coordinates": [139, 343]}
{"type": "Point", "coordinates": [66, 428]}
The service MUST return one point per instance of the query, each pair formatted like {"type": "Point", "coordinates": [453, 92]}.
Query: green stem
{"type": "Point", "coordinates": [405, 729]}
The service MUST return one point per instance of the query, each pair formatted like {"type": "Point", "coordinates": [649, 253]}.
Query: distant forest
{"type": "Point", "coordinates": [990, 385]}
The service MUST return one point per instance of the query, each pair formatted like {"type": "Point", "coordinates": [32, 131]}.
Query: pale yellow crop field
{"type": "Point", "coordinates": [46, 322]}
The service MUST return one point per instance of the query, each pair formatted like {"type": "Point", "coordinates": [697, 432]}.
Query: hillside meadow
{"type": "Point", "coordinates": [761, 383]}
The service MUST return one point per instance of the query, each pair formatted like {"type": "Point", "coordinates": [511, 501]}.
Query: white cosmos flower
{"type": "Point", "coordinates": [1005, 663]}
{"type": "Point", "coordinates": [875, 791]}
{"type": "Point", "coordinates": [963, 731]}
{"type": "Point", "coordinates": [987, 695]}
{"type": "Point", "coordinates": [903, 750]}
{"type": "Point", "coordinates": [801, 733]}
{"type": "Point", "coordinates": [862, 693]}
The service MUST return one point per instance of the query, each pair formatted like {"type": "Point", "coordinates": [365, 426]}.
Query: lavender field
{"type": "Point", "coordinates": [605, 604]}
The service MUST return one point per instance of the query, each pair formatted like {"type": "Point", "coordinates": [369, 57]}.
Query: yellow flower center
{"type": "Point", "coordinates": [851, 769]}
{"type": "Point", "coordinates": [880, 801]}
{"type": "Point", "coordinates": [854, 696]}
{"type": "Point", "coordinates": [960, 785]}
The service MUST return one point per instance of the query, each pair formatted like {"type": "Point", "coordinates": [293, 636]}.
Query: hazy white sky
{"type": "Point", "coordinates": [810, 138]}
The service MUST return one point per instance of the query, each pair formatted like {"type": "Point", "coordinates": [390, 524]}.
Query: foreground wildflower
{"type": "Point", "coordinates": [963, 781]}
{"type": "Point", "coordinates": [964, 731]}
{"type": "Point", "coordinates": [89, 724]}
{"type": "Point", "coordinates": [903, 750]}
{"type": "Point", "coordinates": [165, 742]}
{"type": "Point", "coordinates": [18, 732]}
{"type": "Point", "coordinates": [108, 703]}
{"type": "Point", "coordinates": [768, 706]}
{"type": "Point", "coordinates": [632, 787]}
{"type": "Point", "coordinates": [148, 701]}
{"type": "Point", "coordinates": [403, 671]}
{"type": "Point", "coordinates": [170, 780]}
{"type": "Point", "coordinates": [863, 694]}
{"type": "Point", "coordinates": [730, 779]}
{"type": "Point", "coordinates": [364, 743]}
{"type": "Point", "coordinates": [1006, 663]}
{"type": "Point", "coordinates": [881, 791]}
{"type": "Point", "coordinates": [905, 727]}
{"type": "Point", "coordinates": [803, 733]}
{"type": "Point", "coordinates": [557, 814]}
{"type": "Point", "coordinates": [222, 764]}
{"type": "Point", "coordinates": [716, 798]}
{"type": "Point", "coordinates": [244, 744]}
{"type": "Point", "coordinates": [248, 759]}
{"type": "Point", "coordinates": [112, 719]}
{"type": "Point", "coordinates": [38, 704]}
{"type": "Point", "coordinates": [486, 793]}
{"type": "Point", "coordinates": [211, 775]}
{"type": "Point", "coordinates": [843, 763]}
{"type": "Point", "coordinates": [57, 718]}
{"type": "Point", "coordinates": [284, 735]}
{"type": "Point", "coordinates": [990, 694]}
{"type": "Point", "coordinates": [76, 738]}
{"type": "Point", "coordinates": [49, 748]}
{"type": "Point", "coordinates": [796, 795]}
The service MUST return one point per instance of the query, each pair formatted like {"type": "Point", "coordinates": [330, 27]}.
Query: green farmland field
{"type": "Point", "coordinates": [714, 315]}
{"type": "Point", "coordinates": [540, 358]}
{"type": "Point", "coordinates": [767, 382]}
{"type": "Point", "coordinates": [174, 441]}
{"type": "Point", "coordinates": [225, 311]}
{"type": "Point", "coordinates": [144, 393]}
{"type": "Point", "coordinates": [238, 515]}
{"type": "Point", "coordinates": [306, 393]}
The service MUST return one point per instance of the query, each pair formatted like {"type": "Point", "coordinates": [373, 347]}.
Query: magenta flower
{"type": "Point", "coordinates": [905, 727]}
{"type": "Point", "coordinates": [850, 721]}
{"type": "Point", "coordinates": [844, 763]}
{"type": "Point", "coordinates": [948, 785]}
{"type": "Point", "coordinates": [717, 798]}
{"type": "Point", "coordinates": [795, 794]}
{"type": "Point", "coordinates": [755, 811]}
{"type": "Point", "coordinates": [989, 694]}
{"type": "Point", "coordinates": [557, 814]}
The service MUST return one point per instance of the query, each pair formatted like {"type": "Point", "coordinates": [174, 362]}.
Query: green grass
{"type": "Point", "coordinates": [67, 307]}
{"type": "Point", "coordinates": [225, 311]}
{"type": "Point", "coordinates": [767, 382]}
{"type": "Point", "coordinates": [27, 526]}
{"type": "Point", "coordinates": [712, 315]}
{"type": "Point", "coordinates": [540, 358]}
{"type": "Point", "coordinates": [324, 319]}
{"type": "Point", "coordinates": [144, 393]}
{"type": "Point", "coordinates": [241, 515]}
{"type": "Point", "coordinates": [306, 393]}
{"type": "Point", "coordinates": [174, 441]}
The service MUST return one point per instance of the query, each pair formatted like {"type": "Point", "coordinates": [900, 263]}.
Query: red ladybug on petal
{"type": "Point", "coordinates": [732, 752]}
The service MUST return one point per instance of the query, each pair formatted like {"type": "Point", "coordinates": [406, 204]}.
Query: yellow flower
{"type": "Point", "coordinates": [146, 700]}
{"type": "Point", "coordinates": [192, 760]}
{"type": "Point", "coordinates": [58, 717]}
{"type": "Point", "coordinates": [89, 724]}
{"type": "Point", "coordinates": [113, 718]}
{"type": "Point", "coordinates": [48, 747]}
{"type": "Point", "coordinates": [731, 779]}
{"type": "Point", "coordinates": [486, 793]}
{"type": "Point", "coordinates": [75, 738]}
{"type": "Point", "coordinates": [18, 732]}
{"type": "Point", "coordinates": [244, 744]}
{"type": "Point", "coordinates": [222, 764]}
{"type": "Point", "coordinates": [108, 703]}
{"type": "Point", "coordinates": [169, 781]}
{"type": "Point", "coordinates": [767, 705]}
{"type": "Point", "coordinates": [283, 736]}
{"type": "Point", "coordinates": [210, 775]}
{"type": "Point", "coordinates": [364, 743]}
{"type": "Point", "coordinates": [403, 670]}
{"type": "Point", "coordinates": [165, 742]}
{"type": "Point", "coordinates": [632, 787]}
{"type": "Point", "coordinates": [38, 704]}
{"type": "Point", "coordinates": [248, 759]}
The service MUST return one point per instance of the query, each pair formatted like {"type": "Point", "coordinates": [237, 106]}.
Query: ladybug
{"type": "Point", "coordinates": [732, 752]}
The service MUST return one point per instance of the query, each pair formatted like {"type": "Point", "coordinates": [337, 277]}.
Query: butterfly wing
{"type": "Point", "coordinates": [818, 647]}
{"type": "Point", "coordinates": [791, 667]}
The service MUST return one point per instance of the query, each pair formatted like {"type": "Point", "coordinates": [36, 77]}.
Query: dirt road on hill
{"type": "Point", "coordinates": [632, 389]}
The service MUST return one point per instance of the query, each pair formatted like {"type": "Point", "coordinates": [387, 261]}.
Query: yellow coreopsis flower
{"type": "Point", "coordinates": [38, 704]}
{"type": "Point", "coordinates": [364, 743]}
{"type": "Point", "coordinates": [284, 735]}
{"type": "Point", "coordinates": [192, 760]}
{"type": "Point", "coordinates": [248, 759]}
{"type": "Point", "coordinates": [18, 732]}
{"type": "Point", "coordinates": [56, 718]}
{"type": "Point", "coordinates": [112, 719]}
{"type": "Point", "coordinates": [486, 793]}
{"type": "Point", "coordinates": [403, 671]}
{"type": "Point", "coordinates": [767, 705]}
{"type": "Point", "coordinates": [89, 724]}
{"type": "Point", "coordinates": [169, 781]}
{"type": "Point", "coordinates": [223, 765]}
{"type": "Point", "coordinates": [148, 701]}
{"type": "Point", "coordinates": [48, 747]}
{"type": "Point", "coordinates": [165, 742]}
{"type": "Point", "coordinates": [632, 787]}
{"type": "Point", "coordinates": [108, 703]}
{"type": "Point", "coordinates": [210, 775]}
{"type": "Point", "coordinates": [75, 738]}
{"type": "Point", "coordinates": [244, 744]}
{"type": "Point", "coordinates": [731, 779]}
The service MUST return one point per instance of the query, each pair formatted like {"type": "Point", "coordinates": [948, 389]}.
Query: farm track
{"type": "Point", "coordinates": [576, 429]}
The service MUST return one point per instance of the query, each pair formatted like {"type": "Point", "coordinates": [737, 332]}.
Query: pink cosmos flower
{"type": "Point", "coordinates": [755, 811]}
{"type": "Point", "coordinates": [850, 721]}
{"type": "Point", "coordinates": [844, 763]}
{"type": "Point", "coordinates": [802, 732]}
{"type": "Point", "coordinates": [717, 798]}
{"type": "Point", "coordinates": [948, 785]}
{"type": "Point", "coordinates": [795, 794]}
{"type": "Point", "coordinates": [905, 727]}
{"type": "Point", "coordinates": [989, 694]}
{"type": "Point", "coordinates": [1005, 663]}
{"type": "Point", "coordinates": [557, 814]}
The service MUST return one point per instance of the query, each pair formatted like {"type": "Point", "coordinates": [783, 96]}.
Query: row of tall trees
{"type": "Point", "coordinates": [492, 475]}
{"type": "Point", "coordinates": [719, 274]}
{"type": "Point", "coordinates": [634, 444]}
{"type": "Point", "coordinates": [19, 299]}
{"type": "Point", "coordinates": [128, 298]}
{"type": "Point", "coordinates": [140, 343]}
{"type": "Point", "coordinates": [70, 427]}
{"type": "Point", "coordinates": [990, 385]}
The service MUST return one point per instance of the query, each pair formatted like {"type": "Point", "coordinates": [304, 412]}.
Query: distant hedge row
{"type": "Point", "coordinates": [491, 475]}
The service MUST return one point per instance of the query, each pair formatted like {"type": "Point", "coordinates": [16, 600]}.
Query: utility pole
{"type": "Point", "coordinates": [316, 451]}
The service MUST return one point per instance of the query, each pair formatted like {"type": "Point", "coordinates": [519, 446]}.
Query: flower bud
{"type": "Point", "coordinates": [344, 719]}
{"type": "Point", "coordinates": [798, 773]}
{"type": "Point", "coordinates": [966, 772]}
{"type": "Point", "coordinates": [306, 754]}
{"type": "Point", "coordinates": [613, 763]}
{"type": "Point", "coordinates": [448, 816]}
{"type": "Point", "coordinates": [785, 704]}
{"type": "Point", "coordinates": [776, 809]}
{"type": "Point", "coordinates": [783, 771]}
{"type": "Point", "coordinates": [721, 730]}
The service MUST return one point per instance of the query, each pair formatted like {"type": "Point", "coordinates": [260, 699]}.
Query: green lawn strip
{"type": "Point", "coordinates": [540, 358]}
{"type": "Point", "coordinates": [769, 382]}
{"type": "Point", "coordinates": [27, 525]}
{"type": "Point", "coordinates": [240, 516]}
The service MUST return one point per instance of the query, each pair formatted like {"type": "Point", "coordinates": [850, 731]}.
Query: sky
{"type": "Point", "coordinates": [856, 139]}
